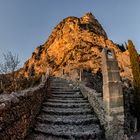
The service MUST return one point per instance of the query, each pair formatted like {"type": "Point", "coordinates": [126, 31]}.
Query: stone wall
{"type": "Point", "coordinates": [18, 110]}
{"type": "Point", "coordinates": [95, 101]}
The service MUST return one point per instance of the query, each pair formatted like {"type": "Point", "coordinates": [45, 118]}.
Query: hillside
{"type": "Point", "coordinates": [74, 43]}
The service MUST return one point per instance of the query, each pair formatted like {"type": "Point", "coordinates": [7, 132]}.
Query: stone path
{"type": "Point", "coordinates": [66, 114]}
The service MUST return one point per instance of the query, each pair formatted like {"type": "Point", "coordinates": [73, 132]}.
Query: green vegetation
{"type": "Point", "coordinates": [135, 64]}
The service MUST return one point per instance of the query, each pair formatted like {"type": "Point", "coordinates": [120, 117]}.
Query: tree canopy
{"type": "Point", "coordinates": [135, 64]}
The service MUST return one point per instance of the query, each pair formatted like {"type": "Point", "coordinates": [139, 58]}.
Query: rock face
{"type": "Point", "coordinates": [75, 43]}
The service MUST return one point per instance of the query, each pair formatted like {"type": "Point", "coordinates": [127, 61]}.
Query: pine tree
{"type": "Point", "coordinates": [135, 64]}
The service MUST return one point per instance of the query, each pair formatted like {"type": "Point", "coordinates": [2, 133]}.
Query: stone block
{"type": "Point", "coordinates": [111, 76]}
{"type": "Point", "coordinates": [112, 96]}
{"type": "Point", "coordinates": [113, 102]}
{"type": "Point", "coordinates": [117, 111]}
{"type": "Point", "coordinates": [112, 89]}
{"type": "Point", "coordinates": [112, 65]}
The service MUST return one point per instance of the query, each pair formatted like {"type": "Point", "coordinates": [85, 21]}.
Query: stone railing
{"type": "Point", "coordinates": [18, 110]}
{"type": "Point", "coordinates": [95, 101]}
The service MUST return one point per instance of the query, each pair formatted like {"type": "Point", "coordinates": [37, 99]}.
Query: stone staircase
{"type": "Point", "coordinates": [66, 114]}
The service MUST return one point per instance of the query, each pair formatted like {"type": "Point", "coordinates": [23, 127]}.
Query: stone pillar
{"type": "Point", "coordinates": [47, 73]}
{"type": "Point", "coordinates": [1, 85]}
{"type": "Point", "coordinates": [112, 96]}
{"type": "Point", "coordinates": [63, 72]}
{"type": "Point", "coordinates": [43, 78]}
{"type": "Point", "coordinates": [80, 74]}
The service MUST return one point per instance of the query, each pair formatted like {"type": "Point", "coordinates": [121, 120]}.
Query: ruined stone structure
{"type": "Point", "coordinates": [112, 95]}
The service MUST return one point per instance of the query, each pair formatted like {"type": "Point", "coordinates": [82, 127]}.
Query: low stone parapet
{"type": "Point", "coordinates": [18, 110]}
{"type": "Point", "coordinates": [95, 101]}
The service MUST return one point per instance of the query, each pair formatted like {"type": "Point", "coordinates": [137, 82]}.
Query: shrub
{"type": "Point", "coordinates": [135, 64]}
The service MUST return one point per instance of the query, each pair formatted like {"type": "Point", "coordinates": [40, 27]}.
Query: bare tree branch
{"type": "Point", "coordinates": [10, 63]}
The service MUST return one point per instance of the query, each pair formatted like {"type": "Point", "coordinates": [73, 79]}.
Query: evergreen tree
{"type": "Point", "coordinates": [135, 64]}
{"type": "Point", "coordinates": [121, 47]}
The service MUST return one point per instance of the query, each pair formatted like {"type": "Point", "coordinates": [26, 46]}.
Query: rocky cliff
{"type": "Point", "coordinates": [75, 43]}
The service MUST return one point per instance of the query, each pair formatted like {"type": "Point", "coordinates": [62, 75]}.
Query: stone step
{"type": "Point", "coordinates": [67, 119]}
{"type": "Point", "coordinates": [65, 105]}
{"type": "Point", "coordinates": [85, 132]}
{"type": "Point", "coordinates": [61, 88]}
{"type": "Point", "coordinates": [58, 79]}
{"type": "Point", "coordinates": [40, 136]}
{"type": "Point", "coordinates": [59, 82]}
{"type": "Point", "coordinates": [64, 89]}
{"type": "Point", "coordinates": [66, 96]}
{"type": "Point", "coordinates": [63, 92]}
{"type": "Point", "coordinates": [66, 111]}
{"type": "Point", "coordinates": [67, 101]}
{"type": "Point", "coordinates": [62, 84]}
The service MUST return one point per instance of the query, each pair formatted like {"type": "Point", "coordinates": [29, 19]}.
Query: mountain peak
{"type": "Point", "coordinates": [92, 24]}
{"type": "Point", "coordinates": [88, 16]}
{"type": "Point", "coordinates": [74, 43]}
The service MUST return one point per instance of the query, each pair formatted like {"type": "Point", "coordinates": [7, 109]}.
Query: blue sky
{"type": "Point", "coordinates": [25, 24]}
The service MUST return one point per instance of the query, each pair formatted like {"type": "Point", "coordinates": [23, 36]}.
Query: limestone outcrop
{"type": "Point", "coordinates": [75, 43]}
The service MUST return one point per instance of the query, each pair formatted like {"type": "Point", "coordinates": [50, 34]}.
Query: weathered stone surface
{"type": "Point", "coordinates": [112, 96]}
{"type": "Point", "coordinates": [95, 102]}
{"type": "Point", "coordinates": [67, 119]}
{"type": "Point", "coordinates": [17, 112]}
{"type": "Point", "coordinates": [73, 44]}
